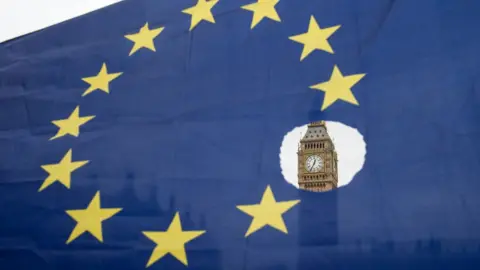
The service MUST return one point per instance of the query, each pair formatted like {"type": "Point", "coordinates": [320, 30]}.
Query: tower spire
{"type": "Point", "coordinates": [317, 124]}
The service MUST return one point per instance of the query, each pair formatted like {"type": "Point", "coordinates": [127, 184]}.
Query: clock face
{"type": "Point", "coordinates": [314, 163]}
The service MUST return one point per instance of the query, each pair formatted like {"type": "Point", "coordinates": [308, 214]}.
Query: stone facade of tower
{"type": "Point", "coordinates": [317, 159]}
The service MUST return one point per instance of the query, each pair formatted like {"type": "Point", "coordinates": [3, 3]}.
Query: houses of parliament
{"type": "Point", "coordinates": [317, 160]}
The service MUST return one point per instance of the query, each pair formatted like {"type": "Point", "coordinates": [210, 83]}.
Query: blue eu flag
{"type": "Point", "coordinates": [147, 135]}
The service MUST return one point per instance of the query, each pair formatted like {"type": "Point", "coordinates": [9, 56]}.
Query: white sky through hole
{"type": "Point", "coordinates": [349, 144]}
{"type": "Point", "coordinates": [26, 16]}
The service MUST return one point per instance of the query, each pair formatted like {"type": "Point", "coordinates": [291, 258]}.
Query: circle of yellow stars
{"type": "Point", "coordinates": [269, 211]}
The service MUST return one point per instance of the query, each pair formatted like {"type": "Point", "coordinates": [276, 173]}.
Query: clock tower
{"type": "Point", "coordinates": [317, 159]}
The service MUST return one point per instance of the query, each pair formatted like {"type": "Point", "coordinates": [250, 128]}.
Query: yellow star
{"type": "Point", "coordinates": [61, 171]}
{"type": "Point", "coordinates": [315, 38]}
{"type": "Point", "coordinates": [172, 241]}
{"type": "Point", "coordinates": [262, 9]}
{"type": "Point", "coordinates": [90, 219]}
{"type": "Point", "coordinates": [72, 124]}
{"type": "Point", "coordinates": [201, 11]}
{"type": "Point", "coordinates": [144, 38]}
{"type": "Point", "coordinates": [101, 81]}
{"type": "Point", "coordinates": [338, 87]}
{"type": "Point", "coordinates": [268, 212]}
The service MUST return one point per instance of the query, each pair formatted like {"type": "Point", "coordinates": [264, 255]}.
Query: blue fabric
{"type": "Point", "coordinates": [196, 127]}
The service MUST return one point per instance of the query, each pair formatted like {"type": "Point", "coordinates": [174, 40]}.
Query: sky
{"type": "Point", "coordinates": [17, 20]}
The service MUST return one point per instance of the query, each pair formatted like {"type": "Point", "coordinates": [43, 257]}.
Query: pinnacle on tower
{"type": "Point", "coordinates": [317, 124]}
